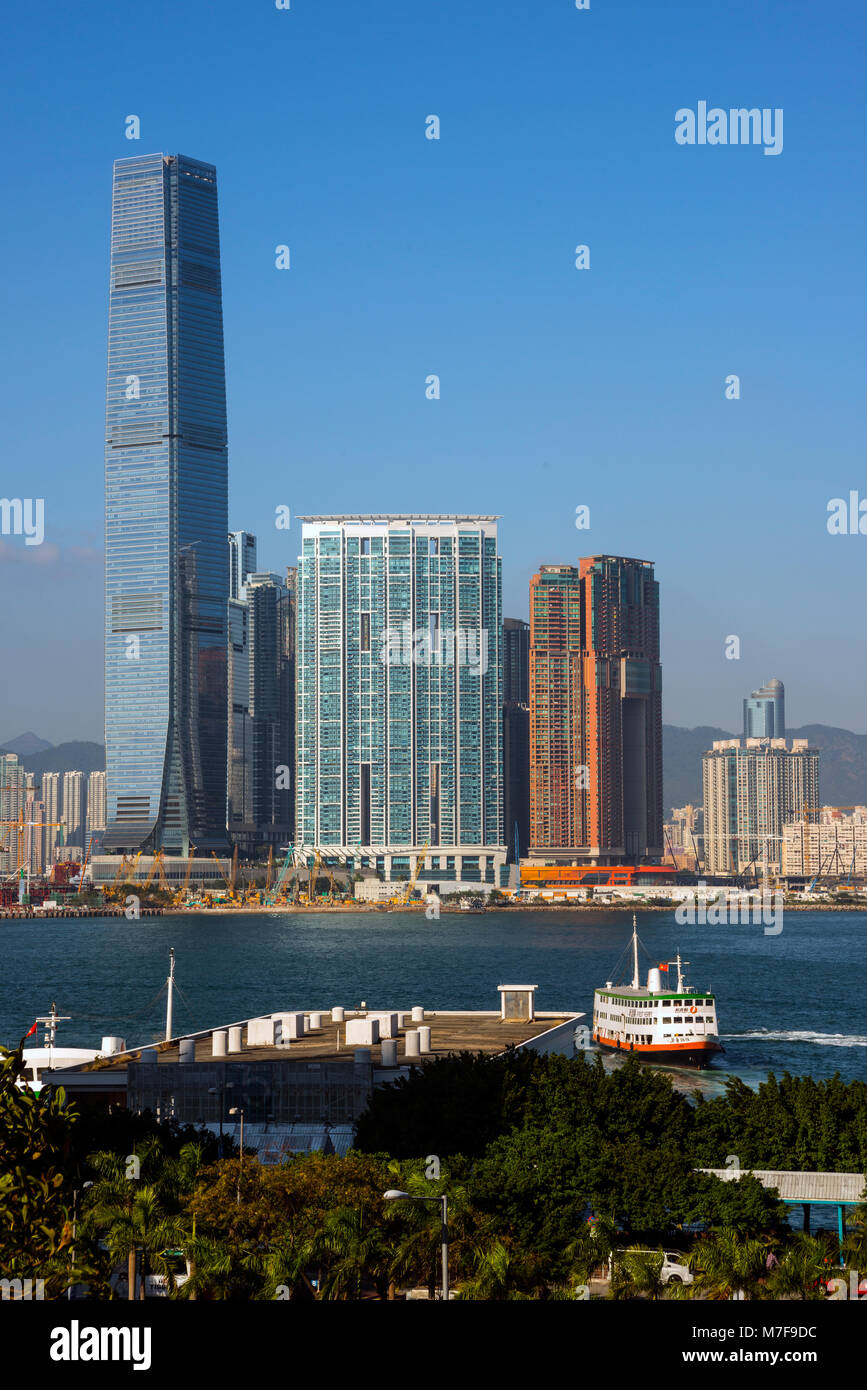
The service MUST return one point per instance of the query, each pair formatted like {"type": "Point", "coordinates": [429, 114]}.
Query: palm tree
{"type": "Point", "coordinates": [590, 1248]}
{"type": "Point", "coordinates": [129, 1218]}
{"type": "Point", "coordinates": [855, 1244]}
{"type": "Point", "coordinates": [286, 1264]}
{"type": "Point", "coordinates": [216, 1270]}
{"type": "Point", "coordinates": [352, 1250]}
{"type": "Point", "coordinates": [725, 1265]}
{"type": "Point", "coordinates": [802, 1269]}
{"type": "Point", "coordinates": [637, 1272]}
{"type": "Point", "coordinates": [502, 1272]}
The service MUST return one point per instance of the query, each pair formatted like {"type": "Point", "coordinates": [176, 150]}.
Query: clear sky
{"type": "Point", "coordinates": [456, 257]}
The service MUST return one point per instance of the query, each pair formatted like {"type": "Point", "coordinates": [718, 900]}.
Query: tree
{"type": "Point", "coordinates": [503, 1271]}
{"type": "Point", "coordinates": [725, 1265]}
{"type": "Point", "coordinates": [36, 1196]}
{"type": "Point", "coordinates": [130, 1218]}
{"type": "Point", "coordinates": [352, 1247]}
{"type": "Point", "coordinates": [637, 1273]}
{"type": "Point", "coordinates": [801, 1269]}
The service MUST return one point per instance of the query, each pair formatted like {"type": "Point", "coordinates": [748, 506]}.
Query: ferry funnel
{"type": "Point", "coordinates": [654, 980]}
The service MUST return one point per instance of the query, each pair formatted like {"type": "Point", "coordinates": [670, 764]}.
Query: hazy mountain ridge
{"type": "Point", "coordinates": [76, 756]}
{"type": "Point", "coordinates": [842, 763]}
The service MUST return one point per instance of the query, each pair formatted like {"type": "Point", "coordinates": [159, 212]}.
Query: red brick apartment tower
{"type": "Point", "coordinates": [555, 708]}
{"type": "Point", "coordinates": [595, 704]}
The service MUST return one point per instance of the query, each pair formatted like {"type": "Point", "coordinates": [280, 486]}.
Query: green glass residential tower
{"type": "Point", "coordinates": [399, 694]}
{"type": "Point", "coordinates": [166, 514]}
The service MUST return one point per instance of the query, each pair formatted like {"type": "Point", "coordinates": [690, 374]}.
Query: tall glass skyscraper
{"type": "Point", "coordinates": [399, 694]}
{"type": "Point", "coordinates": [765, 712]}
{"type": "Point", "coordinates": [166, 512]}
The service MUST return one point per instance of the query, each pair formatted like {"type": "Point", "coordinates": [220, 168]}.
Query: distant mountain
{"type": "Point", "coordinates": [66, 757]}
{"type": "Point", "coordinates": [842, 763]}
{"type": "Point", "coordinates": [25, 744]}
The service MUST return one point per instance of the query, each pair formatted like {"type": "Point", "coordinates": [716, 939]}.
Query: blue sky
{"type": "Point", "coordinates": [560, 387]}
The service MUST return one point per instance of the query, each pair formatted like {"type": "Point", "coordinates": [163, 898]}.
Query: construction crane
{"type": "Point", "coordinates": [85, 864]}
{"type": "Point", "coordinates": [20, 825]}
{"type": "Point", "coordinates": [233, 872]}
{"type": "Point", "coordinates": [270, 866]}
{"type": "Point", "coordinates": [226, 880]}
{"type": "Point", "coordinates": [419, 862]}
{"type": "Point", "coordinates": [157, 868]}
{"type": "Point", "coordinates": [279, 886]}
{"type": "Point", "coordinates": [181, 895]}
{"type": "Point", "coordinates": [312, 876]}
{"type": "Point", "coordinates": [671, 850]}
{"type": "Point", "coordinates": [125, 874]}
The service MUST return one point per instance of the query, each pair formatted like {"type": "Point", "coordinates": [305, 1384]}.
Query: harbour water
{"type": "Point", "coordinates": [787, 1002]}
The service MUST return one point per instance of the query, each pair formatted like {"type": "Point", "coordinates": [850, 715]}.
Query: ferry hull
{"type": "Point", "coordinates": [698, 1053]}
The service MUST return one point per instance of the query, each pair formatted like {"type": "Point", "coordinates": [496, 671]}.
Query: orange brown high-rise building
{"type": "Point", "coordinates": [595, 713]}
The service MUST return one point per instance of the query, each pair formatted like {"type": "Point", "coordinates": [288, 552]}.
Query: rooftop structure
{"type": "Point", "coordinates": [307, 1068]}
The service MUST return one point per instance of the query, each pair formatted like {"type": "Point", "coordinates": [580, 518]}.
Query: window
{"type": "Point", "coordinates": [365, 632]}
{"type": "Point", "coordinates": [365, 545]}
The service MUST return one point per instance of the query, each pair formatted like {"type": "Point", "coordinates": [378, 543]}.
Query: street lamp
{"type": "Point", "coordinates": [239, 1110]}
{"type": "Point", "coordinates": [394, 1194]}
{"type": "Point", "coordinates": [221, 1090]}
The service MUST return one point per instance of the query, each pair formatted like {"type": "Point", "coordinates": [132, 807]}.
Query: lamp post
{"type": "Point", "coordinates": [221, 1090]}
{"type": "Point", "coordinates": [394, 1194]}
{"type": "Point", "coordinates": [239, 1110]}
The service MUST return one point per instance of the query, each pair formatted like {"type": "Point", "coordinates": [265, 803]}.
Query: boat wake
{"type": "Point", "coordinates": [794, 1036]}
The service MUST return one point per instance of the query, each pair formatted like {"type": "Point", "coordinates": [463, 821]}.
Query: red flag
{"type": "Point", "coordinates": [663, 965]}
{"type": "Point", "coordinates": [32, 1030]}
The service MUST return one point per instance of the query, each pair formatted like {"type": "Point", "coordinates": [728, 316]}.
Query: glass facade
{"type": "Point", "coordinates": [399, 684]}
{"type": "Point", "coordinates": [765, 712]}
{"type": "Point", "coordinates": [166, 522]}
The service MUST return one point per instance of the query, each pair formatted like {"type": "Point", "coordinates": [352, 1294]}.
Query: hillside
{"type": "Point", "coordinates": [842, 763]}
{"type": "Point", "coordinates": [66, 757]}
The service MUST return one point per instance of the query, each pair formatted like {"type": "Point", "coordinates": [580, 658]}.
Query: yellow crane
{"type": "Point", "coordinates": [157, 868]}
{"type": "Point", "coordinates": [125, 874]}
{"type": "Point", "coordinates": [313, 875]}
{"type": "Point", "coordinates": [408, 892]}
{"type": "Point", "coordinates": [222, 875]}
{"type": "Point", "coordinates": [181, 895]}
{"type": "Point", "coordinates": [20, 825]}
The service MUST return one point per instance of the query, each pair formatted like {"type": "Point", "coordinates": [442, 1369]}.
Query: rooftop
{"type": "Point", "coordinates": [473, 1031]}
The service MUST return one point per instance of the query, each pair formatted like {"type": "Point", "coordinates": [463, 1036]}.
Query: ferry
{"type": "Point", "coordinates": [671, 1026]}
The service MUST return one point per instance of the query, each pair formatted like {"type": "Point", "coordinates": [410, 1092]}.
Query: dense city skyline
{"type": "Point", "coordinates": [560, 387]}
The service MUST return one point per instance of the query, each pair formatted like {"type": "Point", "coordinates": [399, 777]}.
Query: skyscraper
{"type": "Point", "coordinates": [75, 807]}
{"type": "Point", "coordinates": [52, 798]}
{"type": "Point", "coordinates": [13, 796]}
{"type": "Point", "coordinates": [261, 786]}
{"type": "Point", "coordinates": [595, 712]}
{"type": "Point", "coordinates": [751, 789]}
{"type": "Point", "coordinates": [765, 712]}
{"type": "Point", "coordinates": [95, 804]}
{"type": "Point", "coordinates": [242, 560]}
{"type": "Point", "coordinates": [166, 561]}
{"type": "Point", "coordinates": [399, 699]}
{"type": "Point", "coordinates": [516, 734]}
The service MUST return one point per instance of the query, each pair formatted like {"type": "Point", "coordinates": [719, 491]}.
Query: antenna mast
{"type": "Point", "coordinates": [634, 953]}
{"type": "Point", "coordinates": [170, 982]}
